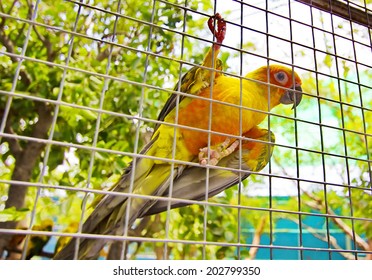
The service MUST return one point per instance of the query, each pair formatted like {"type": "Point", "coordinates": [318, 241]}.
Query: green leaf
{"type": "Point", "coordinates": [12, 214]}
{"type": "Point", "coordinates": [328, 59]}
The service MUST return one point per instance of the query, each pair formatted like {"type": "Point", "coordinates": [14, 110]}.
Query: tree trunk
{"type": "Point", "coordinates": [26, 159]}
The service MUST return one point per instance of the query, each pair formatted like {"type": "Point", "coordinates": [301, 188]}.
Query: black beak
{"type": "Point", "coordinates": [292, 96]}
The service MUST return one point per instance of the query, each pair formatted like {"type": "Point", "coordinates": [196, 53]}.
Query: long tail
{"type": "Point", "coordinates": [109, 215]}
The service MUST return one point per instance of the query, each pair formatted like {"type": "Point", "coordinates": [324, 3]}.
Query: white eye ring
{"type": "Point", "coordinates": [281, 77]}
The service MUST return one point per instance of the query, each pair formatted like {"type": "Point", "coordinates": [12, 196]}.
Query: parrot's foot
{"type": "Point", "coordinates": [221, 28]}
{"type": "Point", "coordinates": [217, 153]}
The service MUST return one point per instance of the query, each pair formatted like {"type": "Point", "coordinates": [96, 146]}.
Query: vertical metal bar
{"type": "Point", "coordinates": [271, 219]}
{"type": "Point", "coordinates": [296, 142]}
{"type": "Point", "coordinates": [364, 124]}
{"type": "Point", "coordinates": [17, 71]}
{"type": "Point", "coordinates": [96, 131]}
{"type": "Point", "coordinates": [363, 116]}
{"type": "Point", "coordinates": [370, 41]}
{"type": "Point", "coordinates": [59, 98]}
{"type": "Point", "coordinates": [174, 143]}
{"type": "Point", "coordinates": [51, 133]}
{"type": "Point", "coordinates": [135, 150]}
{"type": "Point", "coordinates": [240, 127]}
{"type": "Point", "coordinates": [205, 221]}
{"type": "Point", "coordinates": [321, 133]}
{"type": "Point", "coordinates": [343, 134]}
{"type": "Point", "coordinates": [361, 96]}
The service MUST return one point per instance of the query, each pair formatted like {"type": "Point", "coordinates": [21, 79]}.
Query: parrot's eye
{"type": "Point", "coordinates": [281, 77]}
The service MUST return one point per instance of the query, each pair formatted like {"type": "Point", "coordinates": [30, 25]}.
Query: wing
{"type": "Point", "coordinates": [192, 82]}
{"type": "Point", "coordinates": [191, 184]}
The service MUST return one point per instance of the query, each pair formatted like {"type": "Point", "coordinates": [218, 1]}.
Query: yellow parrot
{"type": "Point", "coordinates": [215, 124]}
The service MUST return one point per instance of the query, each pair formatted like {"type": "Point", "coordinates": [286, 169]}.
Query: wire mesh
{"type": "Point", "coordinates": [83, 83]}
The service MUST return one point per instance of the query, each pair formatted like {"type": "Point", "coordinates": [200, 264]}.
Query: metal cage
{"type": "Point", "coordinates": [82, 83]}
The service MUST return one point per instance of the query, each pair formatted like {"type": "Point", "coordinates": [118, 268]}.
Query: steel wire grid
{"type": "Point", "coordinates": [316, 184]}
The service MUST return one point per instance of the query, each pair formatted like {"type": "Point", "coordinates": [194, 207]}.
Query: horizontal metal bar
{"type": "Point", "coordinates": [180, 241]}
{"type": "Point", "coordinates": [341, 9]}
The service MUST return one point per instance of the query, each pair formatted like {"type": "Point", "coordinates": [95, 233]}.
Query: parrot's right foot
{"type": "Point", "coordinates": [221, 28]}
{"type": "Point", "coordinates": [216, 154]}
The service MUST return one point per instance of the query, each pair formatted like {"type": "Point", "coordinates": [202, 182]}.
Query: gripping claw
{"type": "Point", "coordinates": [221, 27]}
{"type": "Point", "coordinates": [217, 153]}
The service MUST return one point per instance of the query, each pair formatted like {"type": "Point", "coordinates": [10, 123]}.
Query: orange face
{"type": "Point", "coordinates": [283, 76]}
{"type": "Point", "coordinates": [289, 89]}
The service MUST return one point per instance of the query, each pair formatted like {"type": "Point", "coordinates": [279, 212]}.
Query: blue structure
{"type": "Point", "coordinates": [286, 233]}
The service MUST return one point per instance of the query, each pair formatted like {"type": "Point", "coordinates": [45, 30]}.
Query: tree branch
{"type": "Point", "coordinates": [257, 238]}
{"type": "Point", "coordinates": [20, 33]}
{"type": "Point", "coordinates": [332, 240]}
{"type": "Point", "coordinates": [11, 7]}
{"type": "Point", "coordinates": [10, 48]}
{"type": "Point", "coordinates": [349, 232]}
{"type": "Point", "coordinates": [7, 44]}
{"type": "Point", "coordinates": [319, 205]}
{"type": "Point", "coordinates": [343, 226]}
{"type": "Point", "coordinates": [47, 44]}
{"type": "Point", "coordinates": [3, 11]}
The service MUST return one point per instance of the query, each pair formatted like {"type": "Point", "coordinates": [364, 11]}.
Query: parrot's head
{"type": "Point", "coordinates": [286, 83]}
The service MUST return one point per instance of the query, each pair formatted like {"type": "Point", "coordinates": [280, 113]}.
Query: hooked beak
{"type": "Point", "coordinates": [292, 96]}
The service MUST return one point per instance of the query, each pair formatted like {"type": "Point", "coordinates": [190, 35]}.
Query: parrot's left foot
{"type": "Point", "coordinates": [217, 153]}
{"type": "Point", "coordinates": [221, 28]}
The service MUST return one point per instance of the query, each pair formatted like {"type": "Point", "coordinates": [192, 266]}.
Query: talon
{"type": "Point", "coordinates": [230, 149]}
{"type": "Point", "coordinates": [221, 27]}
{"type": "Point", "coordinates": [215, 154]}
